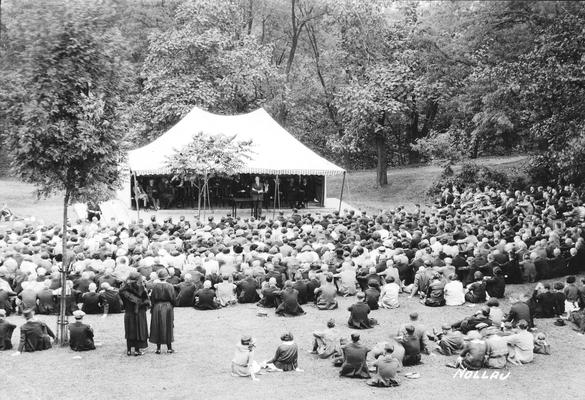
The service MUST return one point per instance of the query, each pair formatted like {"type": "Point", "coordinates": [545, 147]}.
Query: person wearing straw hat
{"type": "Point", "coordinates": [243, 363]}
{"type": "Point", "coordinates": [80, 334]}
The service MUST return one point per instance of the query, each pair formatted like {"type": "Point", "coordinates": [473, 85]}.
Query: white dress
{"type": "Point", "coordinates": [454, 293]}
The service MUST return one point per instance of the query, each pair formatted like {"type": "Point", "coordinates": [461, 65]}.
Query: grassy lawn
{"type": "Point", "coordinates": [406, 186]}
{"type": "Point", "coordinates": [204, 341]}
{"type": "Point", "coordinates": [22, 200]}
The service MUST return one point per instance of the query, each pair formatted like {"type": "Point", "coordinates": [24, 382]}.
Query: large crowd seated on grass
{"type": "Point", "coordinates": [483, 238]}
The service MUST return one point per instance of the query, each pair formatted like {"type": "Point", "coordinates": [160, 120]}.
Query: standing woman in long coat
{"type": "Point", "coordinates": [163, 299]}
{"type": "Point", "coordinates": [136, 302]}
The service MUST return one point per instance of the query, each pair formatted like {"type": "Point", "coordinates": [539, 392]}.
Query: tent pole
{"type": "Point", "coordinates": [136, 197]}
{"type": "Point", "coordinates": [341, 195]}
{"type": "Point", "coordinates": [275, 195]}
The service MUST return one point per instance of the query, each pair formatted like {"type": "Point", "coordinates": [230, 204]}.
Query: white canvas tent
{"type": "Point", "coordinates": [274, 150]}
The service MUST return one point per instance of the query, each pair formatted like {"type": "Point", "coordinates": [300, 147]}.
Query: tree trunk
{"type": "Point", "coordinates": [250, 16]}
{"type": "Point", "coordinates": [382, 167]}
{"type": "Point", "coordinates": [413, 134]}
{"type": "Point", "coordinates": [62, 320]}
{"type": "Point", "coordinates": [199, 199]}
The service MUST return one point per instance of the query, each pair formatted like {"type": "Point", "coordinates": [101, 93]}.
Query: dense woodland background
{"type": "Point", "coordinates": [365, 83]}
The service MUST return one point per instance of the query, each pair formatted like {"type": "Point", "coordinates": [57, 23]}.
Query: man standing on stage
{"type": "Point", "coordinates": [257, 194]}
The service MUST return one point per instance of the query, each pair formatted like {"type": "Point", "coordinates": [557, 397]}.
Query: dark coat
{"type": "Point", "coordinates": [247, 291]}
{"type": "Point", "coordinates": [35, 336]}
{"type": "Point", "coordinates": [163, 299]}
{"type": "Point", "coordinates": [136, 303]}
{"type": "Point", "coordinates": [186, 290]}
{"type": "Point", "coordinates": [92, 303]}
{"type": "Point", "coordinates": [6, 329]}
{"type": "Point", "coordinates": [354, 361]}
{"type": "Point", "coordinates": [205, 299]}
{"type": "Point", "coordinates": [80, 337]}
{"type": "Point", "coordinates": [290, 303]}
{"type": "Point", "coordinates": [111, 300]}
{"type": "Point", "coordinates": [358, 317]}
{"type": "Point", "coordinates": [46, 302]}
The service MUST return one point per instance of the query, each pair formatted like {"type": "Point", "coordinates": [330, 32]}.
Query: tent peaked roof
{"type": "Point", "coordinates": [274, 150]}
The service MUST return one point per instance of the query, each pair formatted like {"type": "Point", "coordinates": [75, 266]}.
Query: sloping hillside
{"type": "Point", "coordinates": [406, 186]}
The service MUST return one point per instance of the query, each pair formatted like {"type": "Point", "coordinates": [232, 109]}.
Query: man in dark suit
{"type": "Point", "coordinates": [80, 334]}
{"type": "Point", "coordinates": [46, 300]}
{"type": "Point", "coordinates": [257, 194]}
{"type": "Point", "coordinates": [204, 299]}
{"type": "Point", "coordinates": [34, 334]}
{"type": "Point", "coordinates": [92, 303]}
{"type": "Point", "coordinates": [6, 329]}
{"type": "Point", "coordinates": [110, 299]}
{"type": "Point", "coordinates": [247, 289]}
{"type": "Point", "coordinates": [186, 290]}
{"type": "Point", "coordinates": [359, 311]}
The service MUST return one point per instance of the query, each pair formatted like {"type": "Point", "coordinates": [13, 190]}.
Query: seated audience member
{"type": "Point", "coordinates": [34, 334]}
{"type": "Point", "coordinates": [454, 292]}
{"type": "Point", "coordinates": [243, 363]}
{"type": "Point", "coordinates": [372, 295]}
{"type": "Point", "coordinates": [572, 295]}
{"type": "Point", "coordinates": [80, 334]}
{"type": "Point", "coordinates": [521, 345]}
{"type": "Point", "coordinates": [46, 300]}
{"type": "Point", "coordinates": [354, 359]}
{"type": "Point", "coordinates": [326, 295]}
{"type": "Point", "coordinates": [326, 343]}
{"type": "Point", "coordinates": [476, 290]}
{"type": "Point", "coordinates": [6, 329]}
{"type": "Point", "coordinates": [470, 323]}
{"type": "Point", "coordinates": [496, 284]}
{"type": "Point", "coordinates": [387, 367]}
{"type": "Point", "coordinates": [518, 311]}
{"type": "Point", "coordinates": [226, 292]}
{"type": "Point", "coordinates": [358, 317]}
{"type": "Point", "coordinates": [248, 289]}
{"type": "Point", "coordinates": [91, 301]}
{"type": "Point", "coordinates": [450, 342]}
{"type": "Point", "coordinates": [289, 305]}
{"type": "Point", "coordinates": [389, 294]}
{"type": "Point", "coordinates": [473, 354]}
{"type": "Point", "coordinates": [204, 298]}
{"type": "Point", "coordinates": [286, 357]}
{"type": "Point", "coordinates": [186, 290]}
{"type": "Point", "coordinates": [110, 299]}
{"type": "Point", "coordinates": [270, 294]}
{"type": "Point", "coordinates": [545, 301]}
{"type": "Point", "coordinates": [496, 313]}
{"type": "Point", "coordinates": [541, 345]}
{"type": "Point", "coordinates": [412, 346]}
{"type": "Point", "coordinates": [578, 318]}
{"type": "Point", "coordinates": [559, 299]}
{"type": "Point", "coordinates": [6, 297]}
{"type": "Point", "coordinates": [419, 331]}
{"type": "Point", "coordinates": [435, 296]}
{"type": "Point", "coordinates": [496, 348]}
{"type": "Point", "coordinates": [347, 279]}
